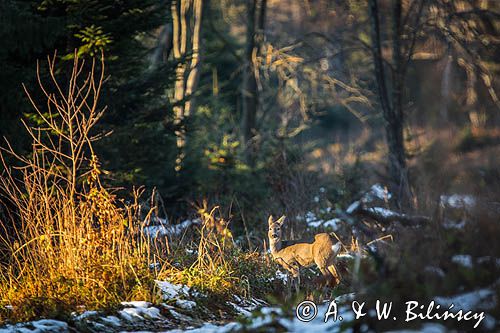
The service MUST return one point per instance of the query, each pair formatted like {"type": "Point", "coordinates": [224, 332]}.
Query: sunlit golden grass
{"type": "Point", "coordinates": [71, 242]}
{"type": "Point", "coordinates": [220, 267]}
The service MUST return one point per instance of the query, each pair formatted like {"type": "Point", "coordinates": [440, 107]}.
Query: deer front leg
{"type": "Point", "coordinates": [293, 268]}
{"type": "Point", "coordinates": [326, 276]}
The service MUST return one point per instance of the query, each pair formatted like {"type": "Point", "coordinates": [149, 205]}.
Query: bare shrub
{"type": "Point", "coordinates": [71, 242]}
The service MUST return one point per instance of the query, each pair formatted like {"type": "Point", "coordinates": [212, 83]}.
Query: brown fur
{"type": "Point", "coordinates": [322, 252]}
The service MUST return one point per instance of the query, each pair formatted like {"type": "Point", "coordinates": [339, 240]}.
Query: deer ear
{"type": "Point", "coordinates": [281, 220]}
{"type": "Point", "coordinates": [270, 220]}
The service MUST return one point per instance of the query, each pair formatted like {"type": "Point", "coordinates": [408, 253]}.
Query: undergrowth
{"type": "Point", "coordinates": [70, 243]}
{"type": "Point", "coordinates": [218, 266]}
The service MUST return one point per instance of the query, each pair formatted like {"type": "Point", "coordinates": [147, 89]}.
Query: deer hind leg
{"type": "Point", "coordinates": [333, 271]}
{"type": "Point", "coordinates": [295, 270]}
{"type": "Point", "coordinates": [323, 264]}
{"type": "Point", "coordinates": [326, 276]}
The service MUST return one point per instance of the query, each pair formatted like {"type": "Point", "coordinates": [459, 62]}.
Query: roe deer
{"type": "Point", "coordinates": [321, 252]}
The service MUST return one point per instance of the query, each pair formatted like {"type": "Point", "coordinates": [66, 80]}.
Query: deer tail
{"type": "Point", "coordinates": [336, 248]}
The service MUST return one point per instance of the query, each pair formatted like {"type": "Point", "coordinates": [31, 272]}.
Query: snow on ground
{"type": "Point", "coordinates": [465, 201]}
{"type": "Point", "coordinates": [269, 317]}
{"type": "Point", "coordinates": [488, 259]}
{"type": "Point", "coordinates": [377, 191]}
{"type": "Point", "coordinates": [171, 290]}
{"type": "Point", "coordinates": [435, 270]}
{"type": "Point", "coordinates": [84, 315]}
{"type": "Point", "coordinates": [185, 304]}
{"type": "Point", "coordinates": [283, 277]}
{"type": "Point", "coordinates": [315, 222]}
{"type": "Point", "coordinates": [449, 224]}
{"type": "Point", "coordinates": [355, 205]}
{"type": "Point", "coordinates": [464, 260]}
{"type": "Point", "coordinates": [137, 304]}
{"type": "Point", "coordinates": [38, 326]}
{"type": "Point", "coordinates": [112, 321]}
{"type": "Point", "coordinates": [140, 313]}
{"type": "Point", "coordinates": [384, 212]}
{"type": "Point", "coordinates": [210, 328]}
{"type": "Point", "coordinates": [482, 299]}
{"type": "Point", "coordinates": [165, 229]}
{"type": "Point", "coordinates": [139, 310]}
{"type": "Point", "coordinates": [426, 328]}
{"type": "Point", "coordinates": [310, 217]}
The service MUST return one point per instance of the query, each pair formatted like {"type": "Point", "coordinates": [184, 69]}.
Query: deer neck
{"type": "Point", "coordinates": [274, 246]}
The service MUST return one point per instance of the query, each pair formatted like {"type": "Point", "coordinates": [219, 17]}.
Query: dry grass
{"type": "Point", "coordinates": [71, 242]}
{"type": "Point", "coordinates": [219, 267]}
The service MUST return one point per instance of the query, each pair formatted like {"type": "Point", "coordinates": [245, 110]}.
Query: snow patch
{"type": "Point", "coordinates": [448, 224]}
{"type": "Point", "coordinates": [239, 309]}
{"type": "Point", "coordinates": [384, 212]}
{"type": "Point", "coordinates": [353, 207]}
{"type": "Point", "coordinates": [140, 313]}
{"type": "Point", "coordinates": [426, 328]}
{"type": "Point", "coordinates": [171, 290]}
{"type": "Point", "coordinates": [281, 276]}
{"type": "Point", "coordinates": [333, 223]}
{"type": "Point", "coordinates": [464, 260]}
{"type": "Point", "coordinates": [38, 326]}
{"type": "Point", "coordinates": [272, 315]}
{"type": "Point", "coordinates": [311, 218]}
{"type": "Point", "coordinates": [137, 304]}
{"type": "Point", "coordinates": [112, 320]}
{"type": "Point", "coordinates": [377, 191]}
{"type": "Point", "coordinates": [482, 299]}
{"type": "Point", "coordinates": [210, 328]}
{"type": "Point", "coordinates": [84, 315]}
{"type": "Point", "coordinates": [487, 259]}
{"type": "Point", "coordinates": [185, 304]}
{"type": "Point", "coordinates": [165, 229]}
{"type": "Point", "coordinates": [435, 270]}
{"type": "Point", "coordinates": [466, 201]}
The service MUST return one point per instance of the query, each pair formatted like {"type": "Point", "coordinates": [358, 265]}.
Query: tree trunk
{"type": "Point", "coordinates": [392, 109]}
{"type": "Point", "coordinates": [194, 74]}
{"type": "Point", "coordinates": [446, 88]}
{"type": "Point", "coordinates": [186, 75]}
{"type": "Point", "coordinates": [250, 97]}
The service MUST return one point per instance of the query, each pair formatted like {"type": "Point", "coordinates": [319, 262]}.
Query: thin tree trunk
{"type": "Point", "coordinates": [186, 77]}
{"type": "Point", "coordinates": [446, 88]}
{"type": "Point", "coordinates": [377, 57]}
{"type": "Point", "coordinates": [249, 85]}
{"type": "Point", "coordinates": [178, 22]}
{"type": "Point", "coordinates": [194, 74]}
{"type": "Point", "coordinates": [397, 153]}
{"type": "Point", "coordinates": [392, 112]}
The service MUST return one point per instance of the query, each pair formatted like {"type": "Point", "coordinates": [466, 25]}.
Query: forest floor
{"type": "Point", "coordinates": [456, 271]}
